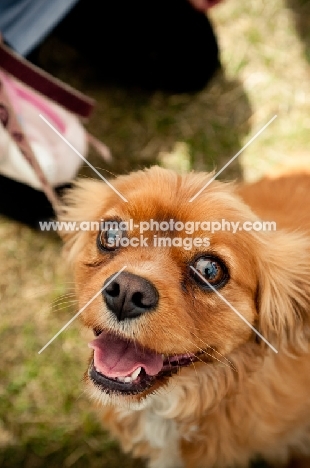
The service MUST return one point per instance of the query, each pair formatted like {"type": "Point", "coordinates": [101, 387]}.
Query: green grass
{"type": "Point", "coordinates": [46, 420]}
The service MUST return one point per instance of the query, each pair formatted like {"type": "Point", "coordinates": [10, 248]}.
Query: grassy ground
{"type": "Point", "coordinates": [45, 418]}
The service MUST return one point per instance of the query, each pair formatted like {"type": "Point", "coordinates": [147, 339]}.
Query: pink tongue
{"type": "Point", "coordinates": [114, 356]}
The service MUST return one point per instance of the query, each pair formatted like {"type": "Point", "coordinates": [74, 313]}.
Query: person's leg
{"type": "Point", "coordinates": [25, 23]}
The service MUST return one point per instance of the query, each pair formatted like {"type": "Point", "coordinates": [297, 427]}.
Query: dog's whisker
{"type": "Point", "coordinates": [43, 290]}
{"type": "Point", "coordinates": [64, 306]}
{"type": "Point", "coordinates": [213, 349]}
{"type": "Point", "coordinates": [59, 305]}
{"type": "Point", "coordinates": [207, 345]}
{"type": "Point", "coordinates": [82, 394]}
{"type": "Point", "coordinates": [195, 370]}
{"type": "Point", "coordinates": [204, 352]}
{"type": "Point", "coordinates": [193, 363]}
{"type": "Point", "coordinates": [65, 298]}
{"type": "Point", "coordinates": [61, 300]}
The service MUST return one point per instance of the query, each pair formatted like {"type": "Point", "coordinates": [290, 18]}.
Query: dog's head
{"type": "Point", "coordinates": [165, 296]}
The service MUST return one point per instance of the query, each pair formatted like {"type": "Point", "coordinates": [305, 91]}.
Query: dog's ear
{"type": "Point", "coordinates": [81, 204]}
{"type": "Point", "coordinates": [283, 298]}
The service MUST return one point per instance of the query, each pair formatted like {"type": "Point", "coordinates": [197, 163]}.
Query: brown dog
{"type": "Point", "coordinates": [201, 356]}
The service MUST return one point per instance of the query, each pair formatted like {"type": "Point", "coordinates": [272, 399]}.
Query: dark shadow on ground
{"type": "Point", "coordinates": [301, 12]}
{"type": "Point", "coordinates": [138, 125]}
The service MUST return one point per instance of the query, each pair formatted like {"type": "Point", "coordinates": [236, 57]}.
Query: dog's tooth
{"type": "Point", "coordinates": [129, 378]}
{"type": "Point", "coordinates": [135, 373]}
{"type": "Point", "coordinates": [121, 378]}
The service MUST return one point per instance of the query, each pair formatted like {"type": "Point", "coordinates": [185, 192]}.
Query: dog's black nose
{"type": "Point", "coordinates": [129, 296]}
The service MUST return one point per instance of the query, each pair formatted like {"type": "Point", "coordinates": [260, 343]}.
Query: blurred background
{"type": "Point", "coordinates": [46, 420]}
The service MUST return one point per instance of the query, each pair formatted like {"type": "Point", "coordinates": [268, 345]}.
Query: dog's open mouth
{"type": "Point", "coordinates": [123, 366]}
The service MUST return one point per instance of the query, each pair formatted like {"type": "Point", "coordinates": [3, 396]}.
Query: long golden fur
{"type": "Point", "coordinates": [239, 399]}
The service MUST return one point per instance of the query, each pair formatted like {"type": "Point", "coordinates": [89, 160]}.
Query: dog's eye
{"type": "Point", "coordinates": [212, 269]}
{"type": "Point", "coordinates": [110, 239]}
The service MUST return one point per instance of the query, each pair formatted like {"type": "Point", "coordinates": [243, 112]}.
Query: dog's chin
{"type": "Point", "coordinates": [138, 372]}
{"type": "Point", "coordinates": [131, 402]}
{"type": "Point", "coordinates": [135, 395]}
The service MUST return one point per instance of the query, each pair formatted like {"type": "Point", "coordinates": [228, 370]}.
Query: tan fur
{"type": "Point", "coordinates": [248, 400]}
